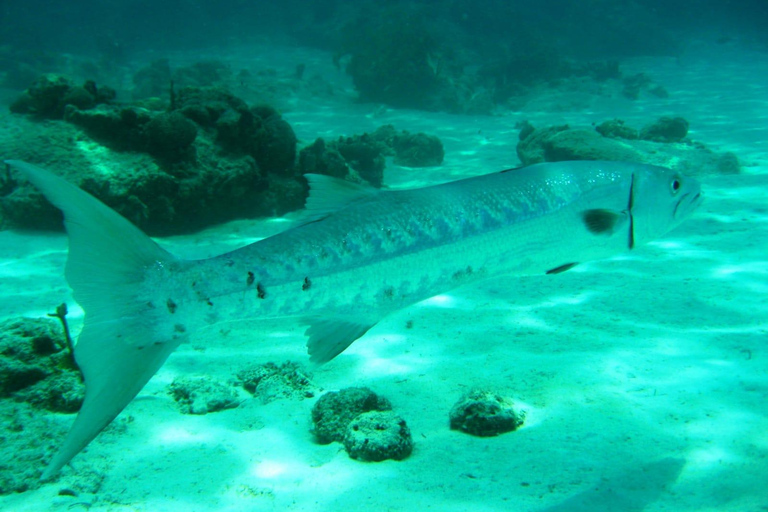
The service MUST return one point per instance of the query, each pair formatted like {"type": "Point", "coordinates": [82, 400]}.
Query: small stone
{"type": "Point", "coordinates": [616, 129]}
{"type": "Point", "coordinates": [334, 411]}
{"type": "Point", "coordinates": [485, 414]}
{"type": "Point", "coordinates": [270, 382]}
{"type": "Point", "coordinates": [659, 91]}
{"type": "Point", "coordinates": [201, 395]}
{"type": "Point", "coordinates": [378, 435]}
{"type": "Point", "coordinates": [728, 163]}
{"type": "Point", "coordinates": [665, 129]}
{"type": "Point", "coordinates": [418, 150]}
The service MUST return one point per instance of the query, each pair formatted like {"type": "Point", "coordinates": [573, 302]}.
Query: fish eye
{"type": "Point", "coordinates": [675, 185]}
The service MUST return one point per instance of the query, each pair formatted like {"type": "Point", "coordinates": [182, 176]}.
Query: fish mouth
{"type": "Point", "coordinates": [687, 204]}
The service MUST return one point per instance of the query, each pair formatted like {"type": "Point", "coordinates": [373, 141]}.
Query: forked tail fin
{"type": "Point", "coordinates": [118, 349]}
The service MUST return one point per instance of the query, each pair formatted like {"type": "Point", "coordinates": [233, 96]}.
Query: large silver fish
{"type": "Point", "coordinates": [360, 255]}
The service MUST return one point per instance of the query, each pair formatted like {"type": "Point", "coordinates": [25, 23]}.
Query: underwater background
{"type": "Point", "coordinates": [634, 383]}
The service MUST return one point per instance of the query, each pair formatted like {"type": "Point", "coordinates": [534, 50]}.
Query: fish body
{"type": "Point", "coordinates": [361, 255]}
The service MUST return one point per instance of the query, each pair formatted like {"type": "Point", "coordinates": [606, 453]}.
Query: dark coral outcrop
{"type": "Point", "coordinates": [662, 143]}
{"type": "Point", "coordinates": [206, 158]}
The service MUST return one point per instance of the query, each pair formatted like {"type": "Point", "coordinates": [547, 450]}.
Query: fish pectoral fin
{"type": "Point", "coordinates": [562, 268]}
{"type": "Point", "coordinates": [328, 194]}
{"type": "Point", "coordinates": [329, 337]}
{"type": "Point", "coordinates": [603, 221]}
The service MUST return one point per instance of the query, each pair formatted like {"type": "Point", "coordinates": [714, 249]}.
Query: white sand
{"type": "Point", "coordinates": [645, 377]}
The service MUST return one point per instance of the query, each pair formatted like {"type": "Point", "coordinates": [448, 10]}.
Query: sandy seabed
{"type": "Point", "coordinates": [644, 377]}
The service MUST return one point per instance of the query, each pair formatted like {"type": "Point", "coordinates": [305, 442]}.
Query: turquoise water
{"type": "Point", "coordinates": [643, 377]}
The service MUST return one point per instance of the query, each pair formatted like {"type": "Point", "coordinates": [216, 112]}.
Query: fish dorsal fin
{"type": "Point", "coordinates": [329, 337]}
{"type": "Point", "coordinates": [604, 222]}
{"type": "Point", "coordinates": [328, 194]}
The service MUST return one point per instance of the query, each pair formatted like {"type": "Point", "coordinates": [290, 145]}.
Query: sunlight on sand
{"type": "Point", "coordinates": [376, 359]}
{"type": "Point", "coordinates": [179, 435]}
{"type": "Point", "coordinates": [441, 301]}
{"type": "Point", "coordinates": [706, 458]}
{"type": "Point", "coordinates": [752, 267]}
{"type": "Point", "coordinates": [270, 469]}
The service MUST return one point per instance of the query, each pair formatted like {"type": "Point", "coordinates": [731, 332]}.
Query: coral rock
{"type": "Point", "coordinates": [484, 414]}
{"type": "Point", "coordinates": [378, 435]}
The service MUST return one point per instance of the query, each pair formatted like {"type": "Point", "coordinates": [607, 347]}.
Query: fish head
{"type": "Point", "coordinates": [660, 199]}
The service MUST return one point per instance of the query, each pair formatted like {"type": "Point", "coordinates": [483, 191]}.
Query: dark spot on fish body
{"type": "Point", "coordinates": [171, 306]}
{"type": "Point", "coordinates": [306, 285]}
{"type": "Point", "coordinates": [208, 301]}
{"type": "Point", "coordinates": [262, 293]}
{"type": "Point", "coordinates": [151, 305]}
{"type": "Point", "coordinates": [460, 274]}
{"type": "Point", "coordinates": [179, 328]}
{"type": "Point", "coordinates": [322, 258]}
{"type": "Point", "coordinates": [251, 279]}
{"type": "Point", "coordinates": [389, 292]}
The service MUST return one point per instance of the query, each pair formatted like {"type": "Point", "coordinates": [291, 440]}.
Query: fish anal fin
{"type": "Point", "coordinates": [329, 337]}
{"type": "Point", "coordinates": [603, 221]}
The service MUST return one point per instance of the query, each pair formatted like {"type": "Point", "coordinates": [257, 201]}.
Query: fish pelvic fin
{"type": "Point", "coordinates": [119, 348]}
{"type": "Point", "coordinates": [329, 337]}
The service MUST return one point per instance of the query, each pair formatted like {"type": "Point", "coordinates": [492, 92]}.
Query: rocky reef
{"type": "Point", "coordinates": [203, 157]}
{"type": "Point", "coordinates": [37, 378]}
{"type": "Point", "coordinates": [662, 142]}
{"type": "Point", "coordinates": [362, 158]}
{"type": "Point", "coordinates": [207, 158]}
